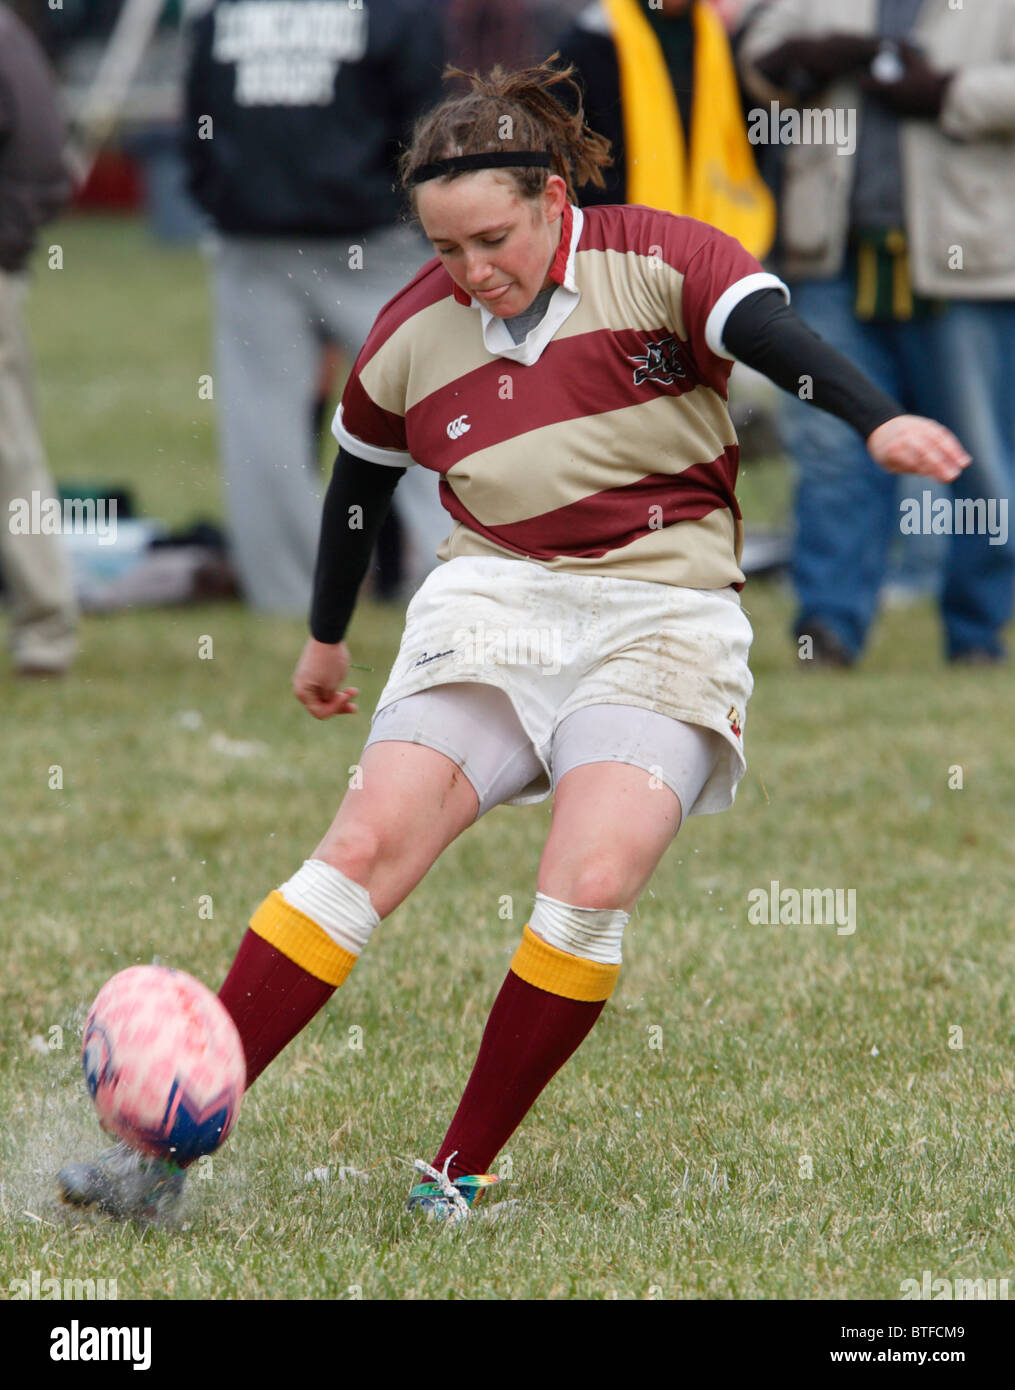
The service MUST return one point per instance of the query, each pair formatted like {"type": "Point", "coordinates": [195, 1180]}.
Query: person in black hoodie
{"type": "Point", "coordinates": [33, 187]}
{"type": "Point", "coordinates": [294, 113]}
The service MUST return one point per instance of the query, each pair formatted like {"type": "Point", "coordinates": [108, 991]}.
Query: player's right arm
{"type": "Point", "coordinates": [355, 506]}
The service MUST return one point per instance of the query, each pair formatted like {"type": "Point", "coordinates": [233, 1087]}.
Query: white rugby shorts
{"type": "Point", "coordinates": [556, 643]}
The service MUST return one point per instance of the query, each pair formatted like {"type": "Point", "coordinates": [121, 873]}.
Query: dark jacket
{"type": "Point", "coordinates": [590, 46]}
{"type": "Point", "coordinates": [306, 119]}
{"type": "Point", "coordinates": [34, 184]}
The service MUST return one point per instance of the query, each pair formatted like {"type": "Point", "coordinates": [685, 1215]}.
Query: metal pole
{"type": "Point", "coordinates": [117, 69]}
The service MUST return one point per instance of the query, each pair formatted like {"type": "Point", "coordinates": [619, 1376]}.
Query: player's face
{"type": "Point", "coordinates": [496, 246]}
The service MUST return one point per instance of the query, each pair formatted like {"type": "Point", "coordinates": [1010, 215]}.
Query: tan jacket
{"type": "Point", "coordinates": [959, 171]}
{"type": "Point", "coordinates": [34, 185]}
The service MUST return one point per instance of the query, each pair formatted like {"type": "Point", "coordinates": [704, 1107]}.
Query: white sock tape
{"type": "Point", "coordinates": [595, 933]}
{"type": "Point", "coordinates": [340, 907]}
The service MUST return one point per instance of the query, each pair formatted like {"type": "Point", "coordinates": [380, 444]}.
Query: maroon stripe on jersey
{"type": "Point", "coordinates": [429, 285]}
{"type": "Point", "coordinates": [615, 517]}
{"type": "Point", "coordinates": [367, 421]}
{"type": "Point", "coordinates": [572, 380]}
{"type": "Point", "coordinates": [646, 231]}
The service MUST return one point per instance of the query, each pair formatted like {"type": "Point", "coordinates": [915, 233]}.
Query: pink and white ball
{"type": "Point", "coordinates": [164, 1063]}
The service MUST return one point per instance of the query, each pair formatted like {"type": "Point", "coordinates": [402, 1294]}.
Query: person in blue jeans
{"type": "Point", "coordinates": [898, 249]}
{"type": "Point", "coordinates": [959, 367]}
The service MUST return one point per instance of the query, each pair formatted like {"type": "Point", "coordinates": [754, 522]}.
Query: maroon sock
{"type": "Point", "coordinates": [270, 999]}
{"type": "Point", "coordinates": [529, 1036]}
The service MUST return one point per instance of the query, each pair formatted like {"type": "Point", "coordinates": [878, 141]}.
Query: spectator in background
{"type": "Point", "coordinates": [902, 255]}
{"type": "Point", "coordinates": [549, 19]}
{"type": "Point", "coordinates": [482, 33]}
{"type": "Point", "coordinates": [661, 85]}
{"type": "Point", "coordinates": [294, 114]}
{"type": "Point", "coordinates": [33, 187]}
{"type": "Point", "coordinates": [35, 17]}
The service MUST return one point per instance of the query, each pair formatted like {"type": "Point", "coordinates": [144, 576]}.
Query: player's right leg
{"type": "Point", "coordinates": [409, 803]}
{"type": "Point", "coordinates": [406, 806]}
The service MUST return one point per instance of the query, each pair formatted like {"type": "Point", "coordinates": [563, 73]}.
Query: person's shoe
{"type": "Point", "coordinates": [977, 656]}
{"type": "Point", "coordinates": [444, 1200]}
{"type": "Point", "coordinates": [124, 1183]}
{"type": "Point", "coordinates": [827, 647]}
{"type": "Point", "coordinates": [28, 671]}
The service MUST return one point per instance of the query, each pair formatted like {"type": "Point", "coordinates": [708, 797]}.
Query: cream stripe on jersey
{"type": "Point", "coordinates": [572, 459]}
{"type": "Point", "coordinates": [457, 335]}
{"type": "Point", "coordinates": [702, 554]}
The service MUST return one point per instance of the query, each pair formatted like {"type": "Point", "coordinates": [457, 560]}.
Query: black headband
{"type": "Point", "coordinates": [492, 159]}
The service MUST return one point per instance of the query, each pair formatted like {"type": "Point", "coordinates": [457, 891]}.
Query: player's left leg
{"type": "Point", "coordinates": [612, 822]}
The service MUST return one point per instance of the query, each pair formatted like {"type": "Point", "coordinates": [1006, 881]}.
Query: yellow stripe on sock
{"type": "Point", "coordinates": [300, 938]}
{"type": "Point", "coordinates": [540, 964]}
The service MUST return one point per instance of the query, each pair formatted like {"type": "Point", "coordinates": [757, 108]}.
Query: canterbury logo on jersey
{"type": "Point", "coordinates": [661, 362]}
{"type": "Point", "coordinates": [459, 427]}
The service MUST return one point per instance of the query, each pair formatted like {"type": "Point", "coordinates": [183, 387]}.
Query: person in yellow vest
{"type": "Point", "coordinates": [660, 83]}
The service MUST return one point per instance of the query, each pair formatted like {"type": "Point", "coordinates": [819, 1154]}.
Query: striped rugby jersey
{"type": "Point", "coordinates": [600, 444]}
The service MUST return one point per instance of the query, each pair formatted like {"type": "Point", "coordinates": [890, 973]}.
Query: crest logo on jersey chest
{"type": "Point", "coordinates": [660, 362]}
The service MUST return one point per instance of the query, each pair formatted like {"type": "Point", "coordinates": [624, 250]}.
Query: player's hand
{"type": "Point", "coordinates": [318, 677]}
{"type": "Point", "coordinates": [913, 444]}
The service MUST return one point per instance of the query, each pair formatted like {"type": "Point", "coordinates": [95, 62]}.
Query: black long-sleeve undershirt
{"type": "Point", "coordinates": [355, 506]}
{"type": "Point", "coordinates": [762, 331]}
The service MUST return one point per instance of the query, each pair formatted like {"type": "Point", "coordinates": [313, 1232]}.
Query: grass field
{"type": "Point", "coordinates": [763, 1111]}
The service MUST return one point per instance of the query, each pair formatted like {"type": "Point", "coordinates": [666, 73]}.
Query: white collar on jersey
{"type": "Point", "coordinates": [563, 302]}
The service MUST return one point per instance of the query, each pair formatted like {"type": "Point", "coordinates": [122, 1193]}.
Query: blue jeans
{"type": "Point", "coordinates": [958, 368]}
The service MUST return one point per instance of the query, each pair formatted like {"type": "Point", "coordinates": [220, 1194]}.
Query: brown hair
{"type": "Point", "coordinates": [513, 111]}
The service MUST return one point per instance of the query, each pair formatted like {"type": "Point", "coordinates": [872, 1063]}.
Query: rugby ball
{"type": "Point", "coordinates": [164, 1063]}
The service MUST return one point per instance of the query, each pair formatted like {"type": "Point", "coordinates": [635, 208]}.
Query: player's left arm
{"type": "Point", "coordinates": [763, 332]}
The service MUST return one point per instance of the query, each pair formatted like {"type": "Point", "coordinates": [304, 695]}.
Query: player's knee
{"type": "Point", "coordinates": [355, 849]}
{"type": "Point", "coordinates": [597, 883]}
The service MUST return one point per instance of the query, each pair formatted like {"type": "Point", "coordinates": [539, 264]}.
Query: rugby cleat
{"type": "Point", "coordinates": [124, 1183]}
{"type": "Point", "coordinates": [444, 1199]}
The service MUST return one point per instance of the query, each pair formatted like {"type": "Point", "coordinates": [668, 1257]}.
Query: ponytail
{"type": "Point", "coordinates": [513, 111]}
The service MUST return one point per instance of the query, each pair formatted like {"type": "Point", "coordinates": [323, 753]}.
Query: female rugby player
{"type": "Point", "coordinates": [564, 373]}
